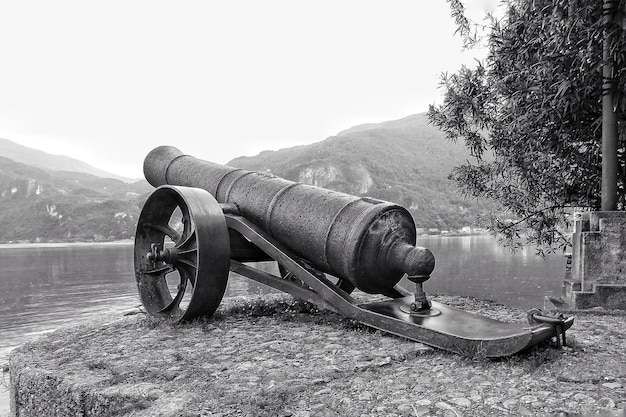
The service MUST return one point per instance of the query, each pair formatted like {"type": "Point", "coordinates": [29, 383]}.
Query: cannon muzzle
{"type": "Point", "coordinates": [369, 242]}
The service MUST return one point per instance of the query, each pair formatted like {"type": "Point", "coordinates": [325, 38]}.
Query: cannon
{"type": "Point", "coordinates": [205, 220]}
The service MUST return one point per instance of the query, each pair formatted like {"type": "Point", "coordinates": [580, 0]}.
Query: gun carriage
{"type": "Point", "coordinates": [205, 220]}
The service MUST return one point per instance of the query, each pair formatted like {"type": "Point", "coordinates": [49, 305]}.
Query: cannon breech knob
{"type": "Point", "coordinates": [418, 263]}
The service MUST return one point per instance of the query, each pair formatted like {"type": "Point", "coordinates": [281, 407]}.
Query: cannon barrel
{"type": "Point", "coordinates": [369, 242]}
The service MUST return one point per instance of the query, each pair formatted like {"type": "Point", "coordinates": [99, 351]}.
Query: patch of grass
{"type": "Point", "coordinates": [151, 322]}
{"type": "Point", "coordinates": [262, 307]}
{"type": "Point", "coordinates": [93, 364]}
{"type": "Point", "coordinates": [538, 357]}
{"type": "Point", "coordinates": [535, 358]}
{"type": "Point", "coordinates": [475, 353]}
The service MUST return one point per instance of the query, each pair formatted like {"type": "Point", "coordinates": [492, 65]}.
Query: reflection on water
{"type": "Point", "coordinates": [44, 288]}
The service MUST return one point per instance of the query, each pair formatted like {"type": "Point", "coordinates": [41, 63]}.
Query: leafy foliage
{"type": "Point", "coordinates": [531, 117]}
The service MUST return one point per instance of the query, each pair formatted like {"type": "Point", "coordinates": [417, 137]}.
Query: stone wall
{"type": "Point", "coordinates": [598, 268]}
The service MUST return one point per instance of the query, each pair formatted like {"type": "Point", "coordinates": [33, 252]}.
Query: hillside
{"type": "Point", "coordinates": [37, 205]}
{"type": "Point", "coordinates": [49, 162]}
{"type": "Point", "coordinates": [405, 161]}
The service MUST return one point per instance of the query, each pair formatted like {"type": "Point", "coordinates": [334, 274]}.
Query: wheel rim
{"type": "Point", "coordinates": [182, 253]}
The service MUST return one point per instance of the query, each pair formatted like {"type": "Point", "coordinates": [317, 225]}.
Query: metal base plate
{"type": "Point", "coordinates": [458, 330]}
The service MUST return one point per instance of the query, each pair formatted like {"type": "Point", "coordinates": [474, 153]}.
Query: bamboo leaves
{"type": "Point", "coordinates": [530, 115]}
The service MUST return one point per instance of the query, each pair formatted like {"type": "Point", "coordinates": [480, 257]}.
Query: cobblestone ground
{"type": "Point", "coordinates": [284, 358]}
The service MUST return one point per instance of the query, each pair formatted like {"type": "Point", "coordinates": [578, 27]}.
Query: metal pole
{"type": "Point", "coordinates": [609, 118]}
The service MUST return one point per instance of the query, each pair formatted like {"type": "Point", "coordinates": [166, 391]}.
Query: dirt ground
{"type": "Point", "coordinates": [279, 357]}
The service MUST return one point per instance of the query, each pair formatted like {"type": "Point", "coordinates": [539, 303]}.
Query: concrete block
{"type": "Point", "coordinates": [597, 275]}
{"type": "Point", "coordinates": [611, 297]}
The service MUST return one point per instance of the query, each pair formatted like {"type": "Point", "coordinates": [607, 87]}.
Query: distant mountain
{"type": "Point", "coordinates": [415, 121]}
{"type": "Point", "coordinates": [49, 162]}
{"type": "Point", "coordinates": [47, 197]}
{"type": "Point", "coordinates": [405, 161]}
{"type": "Point", "coordinates": [38, 205]}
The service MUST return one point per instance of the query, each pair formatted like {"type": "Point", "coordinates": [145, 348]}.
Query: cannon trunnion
{"type": "Point", "coordinates": [205, 219]}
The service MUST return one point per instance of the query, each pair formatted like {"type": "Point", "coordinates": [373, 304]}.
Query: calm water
{"type": "Point", "coordinates": [477, 266]}
{"type": "Point", "coordinates": [45, 288]}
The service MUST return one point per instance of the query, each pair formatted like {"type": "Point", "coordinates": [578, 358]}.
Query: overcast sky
{"type": "Point", "coordinates": [107, 81]}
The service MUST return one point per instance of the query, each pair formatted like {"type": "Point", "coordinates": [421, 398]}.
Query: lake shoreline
{"type": "Point", "coordinates": [271, 355]}
{"type": "Point", "coordinates": [60, 244]}
{"type": "Point", "coordinates": [24, 245]}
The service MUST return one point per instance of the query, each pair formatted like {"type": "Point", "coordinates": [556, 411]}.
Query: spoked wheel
{"type": "Point", "coordinates": [182, 253]}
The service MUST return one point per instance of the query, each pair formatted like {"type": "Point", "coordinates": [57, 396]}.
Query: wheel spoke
{"type": "Point", "coordinates": [164, 270]}
{"type": "Point", "coordinates": [181, 289]}
{"type": "Point", "coordinates": [189, 270]}
{"type": "Point", "coordinates": [175, 304]}
{"type": "Point", "coordinates": [166, 230]}
{"type": "Point", "coordinates": [191, 251]}
{"type": "Point", "coordinates": [189, 258]}
{"type": "Point", "coordinates": [188, 241]}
